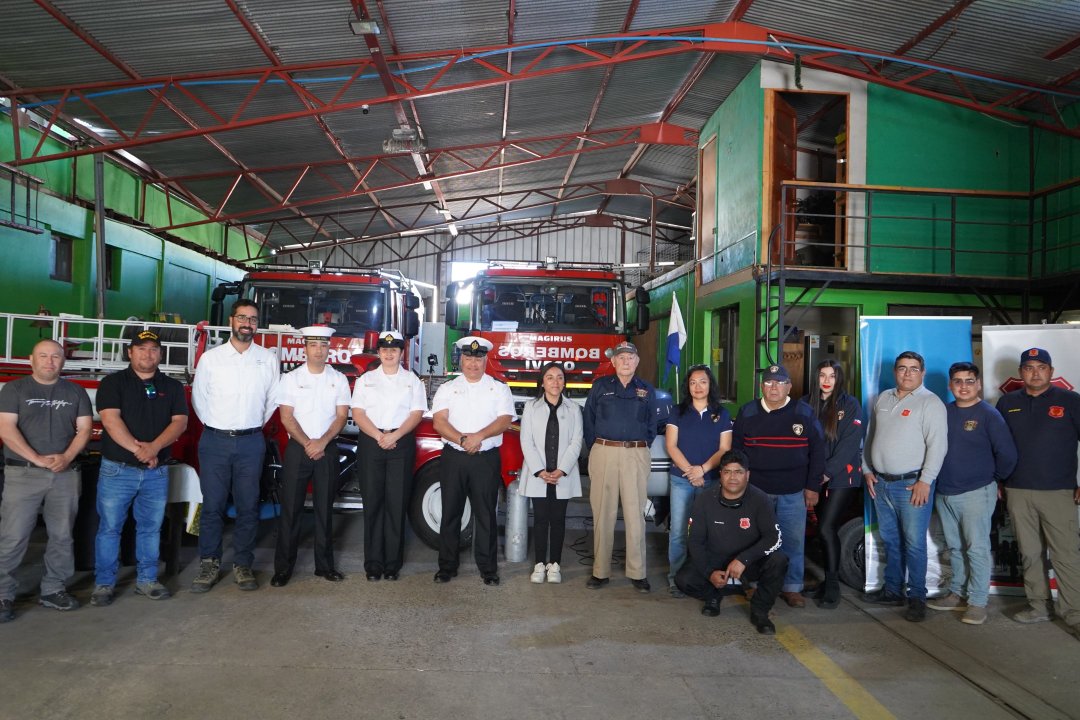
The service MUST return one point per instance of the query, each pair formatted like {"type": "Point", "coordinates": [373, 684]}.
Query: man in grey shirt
{"type": "Point", "coordinates": [45, 422]}
{"type": "Point", "coordinates": [903, 453]}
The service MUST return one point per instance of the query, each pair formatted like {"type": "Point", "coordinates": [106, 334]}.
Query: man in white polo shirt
{"type": "Point", "coordinates": [233, 395]}
{"type": "Point", "coordinates": [471, 413]}
{"type": "Point", "coordinates": [388, 403]}
{"type": "Point", "coordinates": [314, 404]}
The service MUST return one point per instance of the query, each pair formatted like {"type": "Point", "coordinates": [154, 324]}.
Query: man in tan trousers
{"type": "Point", "coordinates": [620, 424]}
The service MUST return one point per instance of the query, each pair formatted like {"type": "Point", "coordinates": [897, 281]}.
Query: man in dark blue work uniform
{"type": "Point", "coordinates": [620, 424]}
{"type": "Point", "coordinates": [734, 536]}
{"type": "Point", "coordinates": [1041, 493]}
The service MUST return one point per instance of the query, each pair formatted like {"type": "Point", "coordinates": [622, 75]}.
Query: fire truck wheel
{"type": "Point", "coordinates": [425, 509]}
{"type": "Point", "coordinates": [853, 553]}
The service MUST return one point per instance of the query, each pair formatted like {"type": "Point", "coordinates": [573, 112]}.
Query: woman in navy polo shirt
{"type": "Point", "coordinates": [698, 433]}
{"type": "Point", "coordinates": [840, 416]}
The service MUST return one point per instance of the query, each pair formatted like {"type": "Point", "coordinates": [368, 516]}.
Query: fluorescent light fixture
{"type": "Point", "coordinates": [452, 227]}
{"type": "Point", "coordinates": [445, 212]}
{"type": "Point", "coordinates": [364, 27]}
{"type": "Point", "coordinates": [427, 185]}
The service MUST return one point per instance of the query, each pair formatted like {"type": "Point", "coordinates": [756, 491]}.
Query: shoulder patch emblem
{"type": "Point", "coordinates": [840, 415]}
{"type": "Point", "coordinates": [1057, 411]}
{"type": "Point", "coordinates": [797, 428]}
{"type": "Point", "coordinates": [905, 413]}
{"type": "Point", "coordinates": [970, 425]}
{"type": "Point", "coordinates": [744, 523]}
{"type": "Point", "coordinates": [642, 393]}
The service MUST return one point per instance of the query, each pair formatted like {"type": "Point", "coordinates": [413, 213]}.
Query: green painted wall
{"type": "Point", "coordinates": [917, 142]}
{"type": "Point", "coordinates": [738, 126]}
{"type": "Point", "coordinates": [151, 275]}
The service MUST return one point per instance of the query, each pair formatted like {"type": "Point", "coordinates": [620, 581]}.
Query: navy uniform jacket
{"type": "Point", "coordinates": [1046, 429]}
{"type": "Point", "coordinates": [615, 412]}
{"type": "Point", "coordinates": [719, 534]}
{"type": "Point", "coordinates": [843, 456]}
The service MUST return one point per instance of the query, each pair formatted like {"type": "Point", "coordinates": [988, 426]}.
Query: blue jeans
{"type": "Point", "coordinates": [791, 516]}
{"type": "Point", "coordinates": [902, 528]}
{"type": "Point", "coordinates": [146, 491]}
{"type": "Point", "coordinates": [965, 520]}
{"type": "Point", "coordinates": [230, 465]}
{"type": "Point", "coordinates": [682, 498]}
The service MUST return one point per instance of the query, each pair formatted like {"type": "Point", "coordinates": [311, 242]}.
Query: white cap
{"type": "Point", "coordinates": [318, 332]}
{"type": "Point", "coordinates": [473, 345]}
{"type": "Point", "coordinates": [390, 339]}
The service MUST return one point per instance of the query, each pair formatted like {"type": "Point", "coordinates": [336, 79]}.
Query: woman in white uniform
{"type": "Point", "coordinates": [387, 405]}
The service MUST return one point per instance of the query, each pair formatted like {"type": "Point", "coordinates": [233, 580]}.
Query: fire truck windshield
{"type": "Point", "coordinates": [537, 304]}
{"type": "Point", "coordinates": [351, 310]}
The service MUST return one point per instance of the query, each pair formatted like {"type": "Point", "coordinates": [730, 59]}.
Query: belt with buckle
{"type": "Point", "coordinates": [18, 463]}
{"type": "Point", "coordinates": [913, 475]}
{"type": "Point", "coordinates": [622, 443]}
{"type": "Point", "coordinates": [233, 433]}
{"type": "Point", "coordinates": [387, 431]}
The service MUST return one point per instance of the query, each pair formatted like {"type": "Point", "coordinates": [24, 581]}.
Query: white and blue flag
{"type": "Point", "coordinates": [676, 336]}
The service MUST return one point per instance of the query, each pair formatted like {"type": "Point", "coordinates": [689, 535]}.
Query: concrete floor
{"type": "Point", "coordinates": [413, 649]}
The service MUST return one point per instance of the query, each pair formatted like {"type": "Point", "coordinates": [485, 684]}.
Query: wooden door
{"type": "Point", "coordinates": [783, 141]}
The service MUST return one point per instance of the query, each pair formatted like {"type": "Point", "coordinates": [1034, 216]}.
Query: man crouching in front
{"type": "Point", "coordinates": [734, 536]}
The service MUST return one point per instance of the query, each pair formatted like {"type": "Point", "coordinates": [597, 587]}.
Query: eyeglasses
{"type": "Point", "coordinates": [246, 319]}
{"type": "Point", "coordinates": [151, 391]}
{"type": "Point", "coordinates": [964, 381]}
{"type": "Point", "coordinates": [907, 370]}
{"type": "Point", "coordinates": [775, 383]}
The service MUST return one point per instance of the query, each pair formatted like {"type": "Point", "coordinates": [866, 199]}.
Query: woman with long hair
{"type": "Point", "coordinates": [698, 434]}
{"type": "Point", "coordinates": [840, 416]}
{"type": "Point", "coordinates": [551, 437]}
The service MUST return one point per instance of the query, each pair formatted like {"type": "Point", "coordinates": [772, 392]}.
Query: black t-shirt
{"type": "Point", "coordinates": [146, 409]}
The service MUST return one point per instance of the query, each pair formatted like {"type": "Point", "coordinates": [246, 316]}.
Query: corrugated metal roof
{"type": "Point", "coordinates": [996, 36]}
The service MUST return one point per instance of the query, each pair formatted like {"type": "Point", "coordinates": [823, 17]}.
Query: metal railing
{"type": "Point", "coordinates": [930, 231]}
{"type": "Point", "coordinates": [98, 346]}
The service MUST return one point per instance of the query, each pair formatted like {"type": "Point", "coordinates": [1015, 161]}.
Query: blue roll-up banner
{"type": "Point", "coordinates": [941, 341]}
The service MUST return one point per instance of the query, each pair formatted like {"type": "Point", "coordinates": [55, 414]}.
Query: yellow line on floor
{"type": "Point", "coordinates": [861, 703]}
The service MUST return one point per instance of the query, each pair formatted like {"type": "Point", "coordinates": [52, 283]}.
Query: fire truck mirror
{"type": "Point", "coordinates": [412, 302]}
{"type": "Point", "coordinates": [451, 291]}
{"type": "Point", "coordinates": [641, 295]}
{"type": "Point", "coordinates": [642, 318]}
{"type": "Point", "coordinates": [452, 314]}
{"type": "Point", "coordinates": [411, 324]}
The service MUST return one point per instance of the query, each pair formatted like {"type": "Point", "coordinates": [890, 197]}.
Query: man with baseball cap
{"type": "Point", "coordinates": [314, 403]}
{"type": "Point", "coordinates": [471, 412]}
{"type": "Point", "coordinates": [388, 403]}
{"type": "Point", "coordinates": [143, 412]}
{"type": "Point", "coordinates": [1041, 492]}
{"type": "Point", "coordinates": [786, 447]}
{"type": "Point", "coordinates": [620, 424]}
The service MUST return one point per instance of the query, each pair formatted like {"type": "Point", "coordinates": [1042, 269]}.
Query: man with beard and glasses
{"type": "Point", "coordinates": [233, 395]}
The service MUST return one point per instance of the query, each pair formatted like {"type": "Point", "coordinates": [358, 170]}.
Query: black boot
{"type": "Point", "coordinates": [830, 598]}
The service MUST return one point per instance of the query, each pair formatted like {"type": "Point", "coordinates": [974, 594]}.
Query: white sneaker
{"type": "Point", "coordinates": [538, 573]}
{"type": "Point", "coordinates": [554, 573]}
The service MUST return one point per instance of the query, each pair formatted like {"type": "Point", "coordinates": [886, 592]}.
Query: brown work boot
{"type": "Point", "coordinates": [793, 599]}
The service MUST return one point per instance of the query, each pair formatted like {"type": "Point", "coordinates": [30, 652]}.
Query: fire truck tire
{"type": "Point", "coordinates": [425, 509]}
{"type": "Point", "coordinates": [853, 554]}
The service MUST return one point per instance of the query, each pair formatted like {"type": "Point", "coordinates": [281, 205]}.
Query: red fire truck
{"type": "Point", "coordinates": [358, 305]}
{"type": "Point", "coordinates": [535, 313]}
